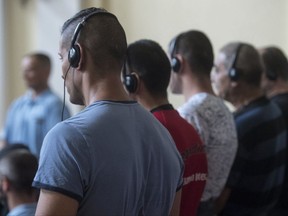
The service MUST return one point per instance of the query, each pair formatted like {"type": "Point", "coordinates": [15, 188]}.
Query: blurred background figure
{"type": "Point", "coordinates": [32, 115]}
{"type": "Point", "coordinates": [256, 178]}
{"type": "Point", "coordinates": [146, 78]}
{"type": "Point", "coordinates": [275, 85]}
{"type": "Point", "coordinates": [192, 61]}
{"type": "Point", "coordinates": [275, 77]}
{"type": "Point", "coordinates": [18, 167]}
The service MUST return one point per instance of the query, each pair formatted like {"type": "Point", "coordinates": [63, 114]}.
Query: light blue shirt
{"type": "Point", "coordinates": [23, 210]}
{"type": "Point", "coordinates": [29, 119]}
{"type": "Point", "coordinates": [115, 158]}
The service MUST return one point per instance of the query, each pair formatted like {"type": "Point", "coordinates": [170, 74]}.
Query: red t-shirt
{"type": "Point", "coordinates": [190, 146]}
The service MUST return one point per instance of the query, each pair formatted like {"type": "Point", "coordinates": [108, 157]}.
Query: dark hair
{"type": "Point", "coordinates": [275, 61]}
{"type": "Point", "coordinates": [150, 62]}
{"type": "Point", "coordinates": [102, 35]}
{"type": "Point", "coordinates": [19, 166]}
{"type": "Point", "coordinates": [197, 49]}
{"type": "Point", "coordinates": [12, 147]}
{"type": "Point", "coordinates": [248, 62]}
{"type": "Point", "coordinates": [42, 57]}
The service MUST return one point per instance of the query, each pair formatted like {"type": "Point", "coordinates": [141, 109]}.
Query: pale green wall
{"type": "Point", "coordinates": [20, 38]}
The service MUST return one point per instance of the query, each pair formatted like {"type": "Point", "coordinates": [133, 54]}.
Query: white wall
{"type": "Point", "coordinates": [50, 17]}
{"type": "Point", "coordinates": [259, 22]}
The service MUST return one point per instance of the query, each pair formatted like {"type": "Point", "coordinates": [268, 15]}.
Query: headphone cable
{"type": "Point", "coordinates": [64, 93]}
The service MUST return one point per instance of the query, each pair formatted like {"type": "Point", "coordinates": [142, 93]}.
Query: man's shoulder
{"type": "Point", "coordinates": [51, 96]}
{"type": "Point", "coordinates": [65, 130]}
{"type": "Point", "coordinates": [18, 102]}
{"type": "Point", "coordinates": [281, 100]}
{"type": "Point", "coordinates": [260, 107]}
{"type": "Point", "coordinates": [204, 104]}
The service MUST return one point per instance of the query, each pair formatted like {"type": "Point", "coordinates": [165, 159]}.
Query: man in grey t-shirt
{"type": "Point", "coordinates": [112, 158]}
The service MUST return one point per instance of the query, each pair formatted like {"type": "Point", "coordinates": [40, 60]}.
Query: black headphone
{"type": "Point", "coordinates": [74, 51]}
{"type": "Point", "coordinates": [130, 81]}
{"type": "Point", "coordinates": [175, 62]}
{"type": "Point", "coordinates": [233, 72]}
{"type": "Point", "coordinates": [270, 74]}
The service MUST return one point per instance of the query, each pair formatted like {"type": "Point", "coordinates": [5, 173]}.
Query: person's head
{"type": "Point", "coordinates": [275, 66]}
{"type": "Point", "coordinates": [36, 70]}
{"type": "Point", "coordinates": [92, 40]}
{"type": "Point", "coordinates": [18, 167]}
{"type": "Point", "coordinates": [11, 147]}
{"type": "Point", "coordinates": [149, 65]}
{"type": "Point", "coordinates": [193, 48]}
{"type": "Point", "coordinates": [237, 68]}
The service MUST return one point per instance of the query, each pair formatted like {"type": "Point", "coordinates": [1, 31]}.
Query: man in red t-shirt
{"type": "Point", "coordinates": [146, 76]}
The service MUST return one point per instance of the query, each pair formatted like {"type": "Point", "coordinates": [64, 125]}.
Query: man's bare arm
{"type": "Point", "coordinates": [175, 211]}
{"type": "Point", "coordinates": [53, 203]}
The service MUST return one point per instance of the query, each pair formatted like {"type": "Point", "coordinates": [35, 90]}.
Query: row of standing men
{"type": "Point", "coordinates": [232, 165]}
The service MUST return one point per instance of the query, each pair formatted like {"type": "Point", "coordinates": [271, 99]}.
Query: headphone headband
{"type": "Point", "coordinates": [130, 81]}
{"type": "Point", "coordinates": [175, 62]}
{"type": "Point", "coordinates": [233, 71]}
{"type": "Point", "coordinates": [236, 55]}
{"type": "Point", "coordinates": [74, 51]}
{"type": "Point", "coordinates": [173, 45]}
{"type": "Point", "coordinates": [82, 23]}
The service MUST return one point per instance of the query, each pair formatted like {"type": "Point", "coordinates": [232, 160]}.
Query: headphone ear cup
{"type": "Point", "coordinates": [271, 75]}
{"type": "Point", "coordinates": [233, 74]}
{"type": "Point", "coordinates": [175, 64]}
{"type": "Point", "coordinates": [131, 83]}
{"type": "Point", "coordinates": [74, 56]}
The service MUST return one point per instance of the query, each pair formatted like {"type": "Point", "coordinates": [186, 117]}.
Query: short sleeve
{"type": "Point", "coordinates": [64, 162]}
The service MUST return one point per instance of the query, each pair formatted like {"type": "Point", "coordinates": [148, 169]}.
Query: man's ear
{"type": "Point", "coordinates": [234, 84]}
{"type": "Point", "coordinates": [82, 57]}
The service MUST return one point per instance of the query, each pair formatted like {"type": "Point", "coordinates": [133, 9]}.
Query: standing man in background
{"type": "Point", "coordinates": [256, 178]}
{"type": "Point", "coordinates": [32, 115]}
{"type": "Point", "coordinates": [192, 61]}
{"type": "Point", "coordinates": [146, 77]}
{"type": "Point", "coordinates": [275, 85]}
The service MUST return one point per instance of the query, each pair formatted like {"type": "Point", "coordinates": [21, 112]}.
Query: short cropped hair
{"type": "Point", "coordinates": [12, 147]}
{"type": "Point", "coordinates": [275, 61]}
{"type": "Point", "coordinates": [248, 62]}
{"type": "Point", "coordinates": [19, 166]}
{"type": "Point", "coordinates": [150, 62]}
{"type": "Point", "coordinates": [102, 35]}
{"type": "Point", "coordinates": [197, 49]}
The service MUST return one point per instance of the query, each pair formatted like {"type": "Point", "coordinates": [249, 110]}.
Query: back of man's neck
{"type": "Point", "coordinates": [152, 103]}
{"type": "Point", "coordinates": [37, 92]}
{"type": "Point", "coordinates": [276, 91]}
{"type": "Point", "coordinates": [244, 100]}
{"type": "Point", "coordinates": [17, 200]}
{"type": "Point", "coordinates": [196, 85]}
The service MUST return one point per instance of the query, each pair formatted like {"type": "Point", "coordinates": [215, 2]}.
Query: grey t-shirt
{"type": "Point", "coordinates": [115, 158]}
{"type": "Point", "coordinates": [216, 126]}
